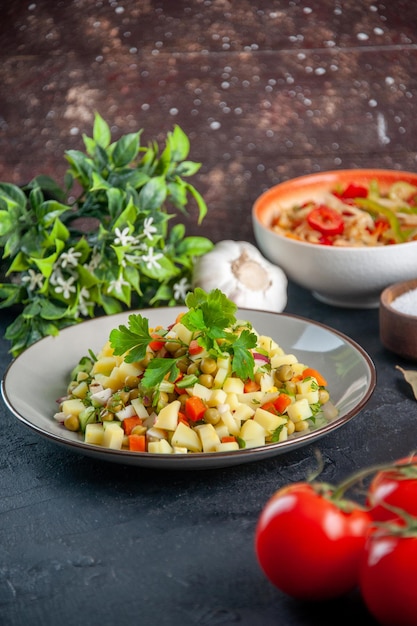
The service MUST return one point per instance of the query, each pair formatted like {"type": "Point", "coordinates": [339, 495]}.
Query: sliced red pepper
{"type": "Point", "coordinates": [326, 221]}
{"type": "Point", "coordinates": [194, 347]}
{"type": "Point", "coordinates": [352, 191]}
{"type": "Point", "coordinates": [157, 342]}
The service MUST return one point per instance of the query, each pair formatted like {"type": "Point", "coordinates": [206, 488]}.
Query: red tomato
{"type": "Point", "coordinates": [388, 578]}
{"type": "Point", "coordinates": [395, 487]}
{"type": "Point", "coordinates": [307, 545]}
{"type": "Point", "coordinates": [326, 221]}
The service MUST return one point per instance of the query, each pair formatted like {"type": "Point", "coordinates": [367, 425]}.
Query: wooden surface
{"type": "Point", "coordinates": [265, 90]}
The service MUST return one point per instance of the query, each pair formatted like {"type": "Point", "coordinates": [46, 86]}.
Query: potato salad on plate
{"type": "Point", "coordinates": [208, 383]}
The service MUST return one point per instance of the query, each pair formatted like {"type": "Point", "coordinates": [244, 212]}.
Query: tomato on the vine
{"type": "Point", "coordinates": [309, 543]}
{"type": "Point", "coordinates": [394, 488]}
{"type": "Point", "coordinates": [388, 577]}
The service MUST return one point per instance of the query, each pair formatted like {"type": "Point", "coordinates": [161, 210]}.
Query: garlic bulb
{"type": "Point", "coordinates": [240, 271]}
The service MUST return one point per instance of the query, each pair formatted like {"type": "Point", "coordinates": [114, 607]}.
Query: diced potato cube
{"type": "Point", "coordinates": [168, 416]}
{"type": "Point", "coordinates": [221, 429]}
{"type": "Point", "coordinates": [253, 434]}
{"type": "Point", "coordinates": [201, 392]}
{"type": "Point", "coordinates": [105, 365]}
{"type": "Point", "coordinates": [160, 447]}
{"type": "Point", "coordinates": [233, 425]}
{"type": "Point", "coordinates": [186, 437]}
{"type": "Point", "coordinates": [220, 377]}
{"type": "Point", "coordinates": [217, 397]}
{"type": "Point", "coordinates": [209, 437]}
{"type": "Point", "coordinates": [94, 434]}
{"type": "Point", "coordinates": [73, 406]}
{"type": "Point", "coordinates": [232, 401]}
{"type": "Point", "coordinates": [183, 333]}
{"type": "Point", "coordinates": [116, 379]}
{"type": "Point", "coordinates": [130, 369]}
{"type": "Point", "coordinates": [253, 398]}
{"type": "Point", "coordinates": [243, 412]}
{"type": "Point", "coordinates": [299, 410]}
{"type": "Point", "coordinates": [80, 391]}
{"type": "Point", "coordinates": [305, 386]}
{"type": "Point", "coordinates": [113, 436]}
{"type": "Point", "coordinates": [268, 344]}
{"type": "Point", "coordinates": [179, 450]}
{"type": "Point", "coordinates": [283, 359]}
{"type": "Point", "coordinates": [227, 446]}
{"type": "Point", "coordinates": [233, 385]}
{"type": "Point", "coordinates": [269, 420]}
{"type": "Point", "coordinates": [312, 397]}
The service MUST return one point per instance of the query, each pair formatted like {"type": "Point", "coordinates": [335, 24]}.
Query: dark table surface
{"type": "Point", "coordinates": [266, 91]}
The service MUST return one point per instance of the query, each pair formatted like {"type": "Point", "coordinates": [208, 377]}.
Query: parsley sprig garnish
{"type": "Point", "coordinates": [211, 318]}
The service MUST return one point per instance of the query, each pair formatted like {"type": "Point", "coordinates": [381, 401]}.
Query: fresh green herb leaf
{"type": "Point", "coordinates": [132, 340]}
{"type": "Point", "coordinates": [156, 371]}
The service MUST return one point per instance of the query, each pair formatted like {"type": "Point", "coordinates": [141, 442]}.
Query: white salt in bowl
{"type": "Point", "coordinates": [351, 277]}
{"type": "Point", "coordinates": [398, 319]}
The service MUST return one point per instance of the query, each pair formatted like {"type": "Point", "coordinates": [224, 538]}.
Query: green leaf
{"type": "Point", "coordinates": [179, 144]}
{"type": "Point", "coordinates": [187, 168]}
{"type": "Point", "coordinates": [164, 269]}
{"type": "Point", "coordinates": [12, 195]}
{"type": "Point", "coordinates": [202, 206]}
{"type": "Point", "coordinates": [194, 246]}
{"type": "Point", "coordinates": [81, 166]}
{"type": "Point", "coordinates": [19, 263]}
{"type": "Point", "coordinates": [177, 193]}
{"type": "Point", "coordinates": [50, 311]}
{"type": "Point", "coordinates": [51, 209]}
{"type": "Point", "coordinates": [127, 216]}
{"type": "Point", "coordinates": [133, 339]}
{"type": "Point", "coordinates": [98, 182]}
{"type": "Point", "coordinates": [157, 369]}
{"type": "Point", "coordinates": [126, 149]}
{"type": "Point", "coordinates": [243, 361]}
{"type": "Point", "coordinates": [152, 195]}
{"type": "Point", "coordinates": [115, 201]}
{"type": "Point", "coordinates": [9, 295]}
{"type": "Point", "coordinates": [101, 132]}
{"type": "Point", "coordinates": [6, 223]}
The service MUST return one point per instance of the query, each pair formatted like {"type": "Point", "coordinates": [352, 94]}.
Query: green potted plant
{"type": "Point", "coordinates": [102, 242]}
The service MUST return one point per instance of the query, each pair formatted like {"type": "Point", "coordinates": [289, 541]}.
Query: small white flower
{"type": "Point", "coordinates": [69, 258]}
{"type": "Point", "coordinates": [151, 259]}
{"type": "Point", "coordinates": [148, 228]}
{"type": "Point", "coordinates": [66, 287]}
{"type": "Point", "coordinates": [181, 288]}
{"type": "Point", "coordinates": [56, 276]}
{"type": "Point", "coordinates": [33, 279]}
{"type": "Point", "coordinates": [94, 262]}
{"type": "Point", "coordinates": [122, 237]}
{"type": "Point", "coordinates": [117, 285]}
{"type": "Point", "coordinates": [83, 302]}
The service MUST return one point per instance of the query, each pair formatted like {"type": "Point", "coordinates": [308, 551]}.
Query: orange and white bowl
{"type": "Point", "coordinates": [352, 276]}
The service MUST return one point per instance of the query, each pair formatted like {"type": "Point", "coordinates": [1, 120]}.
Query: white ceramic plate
{"type": "Point", "coordinates": [40, 375]}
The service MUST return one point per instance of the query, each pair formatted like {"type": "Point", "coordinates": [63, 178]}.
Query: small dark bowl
{"type": "Point", "coordinates": [398, 330]}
